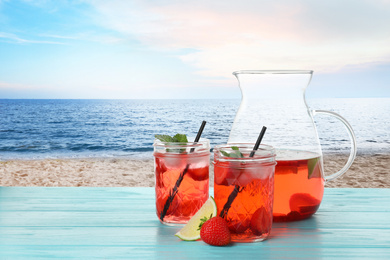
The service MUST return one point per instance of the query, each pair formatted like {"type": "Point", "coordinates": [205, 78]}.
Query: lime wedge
{"type": "Point", "coordinates": [190, 231]}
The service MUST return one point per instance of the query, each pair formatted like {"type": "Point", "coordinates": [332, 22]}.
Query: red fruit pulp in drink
{"type": "Point", "coordinates": [199, 174]}
{"type": "Point", "coordinates": [261, 222]}
{"type": "Point", "coordinates": [193, 190]}
{"type": "Point", "coordinates": [255, 191]}
{"type": "Point", "coordinates": [299, 185]}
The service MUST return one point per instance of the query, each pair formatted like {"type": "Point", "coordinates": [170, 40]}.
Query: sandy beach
{"type": "Point", "coordinates": [368, 171]}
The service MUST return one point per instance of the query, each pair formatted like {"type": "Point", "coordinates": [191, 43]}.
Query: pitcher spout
{"type": "Point", "coordinates": [272, 84]}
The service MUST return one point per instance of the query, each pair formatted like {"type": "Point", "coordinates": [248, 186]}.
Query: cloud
{"type": "Point", "coordinates": [226, 36]}
{"type": "Point", "coordinates": [83, 36]}
{"type": "Point", "coordinates": [16, 86]}
{"type": "Point", "coordinates": [10, 37]}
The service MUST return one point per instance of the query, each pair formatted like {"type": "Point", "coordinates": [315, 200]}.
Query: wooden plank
{"type": "Point", "coordinates": [121, 223]}
{"type": "Point", "coordinates": [146, 235]}
{"type": "Point", "coordinates": [89, 218]}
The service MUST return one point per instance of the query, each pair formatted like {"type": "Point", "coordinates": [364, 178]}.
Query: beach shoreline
{"type": "Point", "coordinates": [367, 171]}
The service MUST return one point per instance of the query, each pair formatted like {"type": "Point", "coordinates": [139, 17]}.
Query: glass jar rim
{"type": "Point", "coordinates": [267, 157]}
{"type": "Point", "coordinates": [203, 142]}
{"type": "Point", "coordinates": [273, 72]}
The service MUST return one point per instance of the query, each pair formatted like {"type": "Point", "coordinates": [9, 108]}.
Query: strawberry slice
{"type": "Point", "coordinates": [220, 175]}
{"type": "Point", "coordinates": [293, 216]}
{"type": "Point", "coordinates": [238, 226]}
{"type": "Point", "coordinates": [160, 166]}
{"type": "Point", "coordinates": [304, 203]}
{"type": "Point", "coordinates": [199, 174]}
{"type": "Point", "coordinates": [261, 222]}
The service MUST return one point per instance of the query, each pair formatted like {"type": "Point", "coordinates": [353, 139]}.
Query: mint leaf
{"type": "Point", "coordinates": [180, 138]}
{"type": "Point", "coordinates": [164, 138]}
{"type": "Point", "coordinates": [235, 154]}
{"type": "Point", "coordinates": [311, 164]}
{"type": "Point", "coordinates": [225, 153]}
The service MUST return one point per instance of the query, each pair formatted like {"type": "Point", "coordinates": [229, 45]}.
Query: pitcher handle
{"type": "Point", "coordinates": [351, 134]}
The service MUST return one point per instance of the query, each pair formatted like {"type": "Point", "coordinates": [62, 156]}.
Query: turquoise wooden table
{"type": "Point", "coordinates": [38, 222]}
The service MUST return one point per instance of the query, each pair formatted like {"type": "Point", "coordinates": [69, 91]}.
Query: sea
{"type": "Point", "coordinates": [75, 128]}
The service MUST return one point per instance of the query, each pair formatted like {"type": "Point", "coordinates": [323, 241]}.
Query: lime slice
{"type": "Point", "coordinates": [190, 231]}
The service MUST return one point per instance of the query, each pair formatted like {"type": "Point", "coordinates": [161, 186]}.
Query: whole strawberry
{"type": "Point", "coordinates": [215, 231]}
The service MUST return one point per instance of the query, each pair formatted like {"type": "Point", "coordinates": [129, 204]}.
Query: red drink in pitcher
{"type": "Point", "coordinates": [299, 185]}
{"type": "Point", "coordinates": [176, 204]}
{"type": "Point", "coordinates": [243, 191]}
{"type": "Point", "coordinates": [276, 98]}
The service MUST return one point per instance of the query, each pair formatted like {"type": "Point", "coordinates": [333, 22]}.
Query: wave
{"type": "Point", "coordinates": [121, 127]}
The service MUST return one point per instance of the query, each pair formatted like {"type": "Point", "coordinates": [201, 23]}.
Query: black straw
{"type": "Point", "coordinates": [237, 189]}
{"type": "Point", "coordinates": [175, 189]}
{"type": "Point", "coordinates": [198, 135]}
{"type": "Point", "coordinates": [200, 132]}
{"type": "Point", "coordinates": [257, 144]}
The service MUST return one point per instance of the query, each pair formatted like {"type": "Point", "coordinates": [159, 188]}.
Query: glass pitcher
{"type": "Point", "coordinates": [276, 99]}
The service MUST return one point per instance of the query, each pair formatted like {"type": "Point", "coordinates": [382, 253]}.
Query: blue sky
{"type": "Point", "coordinates": [189, 49]}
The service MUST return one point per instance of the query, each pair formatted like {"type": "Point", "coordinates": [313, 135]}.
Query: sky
{"type": "Point", "coordinates": [188, 49]}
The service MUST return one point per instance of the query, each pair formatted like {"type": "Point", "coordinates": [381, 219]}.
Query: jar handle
{"type": "Point", "coordinates": [352, 137]}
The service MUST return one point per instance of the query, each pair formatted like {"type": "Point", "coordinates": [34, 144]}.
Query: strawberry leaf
{"type": "Point", "coordinates": [203, 220]}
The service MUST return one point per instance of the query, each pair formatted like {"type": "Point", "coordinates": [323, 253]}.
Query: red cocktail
{"type": "Point", "coordinates": [243, 190]}
{"type": "Point", "coordinates": [182, 179]}
{"type": "Point", "coordinates": [299, 185]}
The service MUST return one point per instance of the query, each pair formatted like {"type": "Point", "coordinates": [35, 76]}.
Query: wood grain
{"type": "Point", "coordinates": [112, 223]}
